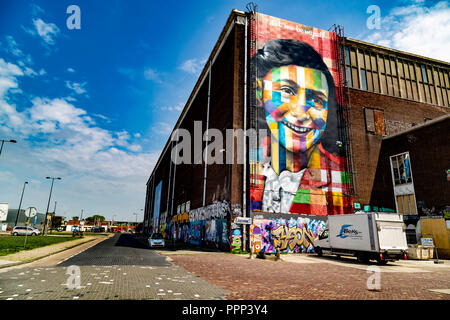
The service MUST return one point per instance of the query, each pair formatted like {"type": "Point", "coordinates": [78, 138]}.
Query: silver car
{"type": "Point", "coordinates": [156, 240]}
{"type": "Point", "coordinates": [21, 231]}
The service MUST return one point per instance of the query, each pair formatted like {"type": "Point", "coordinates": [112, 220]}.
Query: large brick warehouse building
{"type": "Point", "coordinates": [320, 105]}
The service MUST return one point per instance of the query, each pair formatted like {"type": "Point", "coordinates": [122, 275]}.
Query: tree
{"type": "Point", "coordinates": [76, 218]}
{"type": "Point", "coordinates": [96, 219]}
{"type": "Point", "coordinates": [56, 222]}
{"type": "Point", "coordinates": [139, 227]}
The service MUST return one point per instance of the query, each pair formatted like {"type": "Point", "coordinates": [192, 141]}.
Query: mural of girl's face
{"type": "Point", "coordinates": [296, 106]}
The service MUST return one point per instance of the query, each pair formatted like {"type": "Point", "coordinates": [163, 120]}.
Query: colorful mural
{"type": "Point", "coordinates": [236, 241]}
{"type": "Point", "coordinates": [299, 165]}
{"type": "Point", "coordinates": [216, 231]}
{"type": "Point", "coordinates": [195, 237]}
{"type": "Point", "coordinates": [289, 235]}
{"type": "Point", "coordinates": [157, 205]}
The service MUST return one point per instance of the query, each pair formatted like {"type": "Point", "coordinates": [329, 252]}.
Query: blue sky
{"type": "Point", "coordinates": [96, 105]}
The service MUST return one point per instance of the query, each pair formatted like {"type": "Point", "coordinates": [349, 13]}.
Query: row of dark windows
{"type": "Point", "coordinates": [397, 77]}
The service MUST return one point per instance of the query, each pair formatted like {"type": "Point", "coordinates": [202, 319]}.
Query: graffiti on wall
{"type": "Point", "coordinates": [299, 166]}
{"type": "Point", "coordinates": [236, 240]}
{"type": "Point", "coordinates": [288, 235]}
{"type": "Point", "coordinates": [216, 210]}
{"type": "Point", "coordinates": [216, 231]}
{"type": "Point", "coordinates": [236, 209]}
{"type": "Point", "coordinates": [195, 237]}
{"type": "Point", "coordinates": [157, 205]}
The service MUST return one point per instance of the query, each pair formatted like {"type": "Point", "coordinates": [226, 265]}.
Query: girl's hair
{"type": "Point", "coordinates": [284, 52]}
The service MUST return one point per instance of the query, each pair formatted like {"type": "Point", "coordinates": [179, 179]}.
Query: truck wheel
{"type": "Point", "coordinates": [319, 252]}
{"type": "Point", "coordinates": [362, 258]}
{"type": "Point", "coordinates": [381, 262]}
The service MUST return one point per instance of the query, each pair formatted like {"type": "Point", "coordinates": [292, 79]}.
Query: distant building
{"type": "Point", "coordinates": [37, 221]}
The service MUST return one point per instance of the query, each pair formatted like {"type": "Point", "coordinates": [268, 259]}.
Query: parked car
{"type": "Point", "coordinates": [97, 229]}
{"type": "Point", "coordinates": [156, 240]}
{"type": "Point", "coordinates": [21, 231]}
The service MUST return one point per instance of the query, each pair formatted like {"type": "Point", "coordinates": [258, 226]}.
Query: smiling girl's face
{"type": "Point", "coordinates": [296, 106]}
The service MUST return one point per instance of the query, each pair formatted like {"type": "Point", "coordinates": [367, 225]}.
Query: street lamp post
{"type": "Point", "coordinates": [3, 142]}
{"type": "Point", "coordinates": [20, 203]}
{"type": "Point", "coordinates": [48, 204]}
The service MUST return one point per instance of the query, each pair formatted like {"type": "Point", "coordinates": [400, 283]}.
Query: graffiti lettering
{"type": "Point", "coordinates": [217, 210]}
{"type": "Point", "coordinates": [287, 235]}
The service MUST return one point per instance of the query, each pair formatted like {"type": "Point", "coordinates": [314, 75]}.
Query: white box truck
{"type": "Point", "coordinates": [367, 236]}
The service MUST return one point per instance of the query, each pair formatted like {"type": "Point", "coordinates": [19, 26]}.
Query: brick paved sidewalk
{"type": "Point", "coordinates": [26, 256]}
{"type": "Point", "coordinates": [257, 279]}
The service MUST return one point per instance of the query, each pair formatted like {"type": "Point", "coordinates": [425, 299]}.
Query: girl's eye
{"type": "Point", "coordinates": [288, 90]}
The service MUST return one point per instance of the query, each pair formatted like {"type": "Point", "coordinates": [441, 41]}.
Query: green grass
{"type": "Point", "coordinates": [9, 245]}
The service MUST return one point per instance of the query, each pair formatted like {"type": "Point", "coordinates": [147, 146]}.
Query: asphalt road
{"type": "Point", "coordinates": [120, 250]}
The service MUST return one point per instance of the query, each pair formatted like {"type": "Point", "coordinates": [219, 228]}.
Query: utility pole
{"type": "Point", "coordinates": [48, 203]}
{"type": "Point", "coordinates": [3, 142]}
{"type": "Point", "coordinates": [20, 203]}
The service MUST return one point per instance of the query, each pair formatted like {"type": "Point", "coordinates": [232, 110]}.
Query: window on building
{"type": "Point", "coordinates": [348, 66]}
{"type": "Point", "coordinates": [424, 74]}
{"type": "Point", "coordinates": [401, 168]}
{"type": "Point", "coordinates": [363, 79]}
{"type": "Point", "coordinates": [374, 119]}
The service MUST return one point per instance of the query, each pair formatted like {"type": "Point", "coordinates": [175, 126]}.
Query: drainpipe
{"type": "Point", "coordinates": [207, 137]}
{"type": "Point", "coordinates": [244, 183]}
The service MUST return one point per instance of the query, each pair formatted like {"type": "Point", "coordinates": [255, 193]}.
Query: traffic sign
{"type": "Point", "coordinates": [243, 220]}
{"type": "Point", "coordinates": [30, 212]}
{"type": "Point", "coordinates": [427, 242]}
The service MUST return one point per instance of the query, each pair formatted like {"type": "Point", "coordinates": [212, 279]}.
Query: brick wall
{"type": "Point", "coordinates": [399, 114]}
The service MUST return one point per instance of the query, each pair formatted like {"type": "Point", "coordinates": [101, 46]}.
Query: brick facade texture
{"type": "Point", "coordinates": [399, 114]}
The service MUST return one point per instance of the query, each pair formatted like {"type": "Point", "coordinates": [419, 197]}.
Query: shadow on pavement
{"type": "Point", "coordinates": [128, 240]}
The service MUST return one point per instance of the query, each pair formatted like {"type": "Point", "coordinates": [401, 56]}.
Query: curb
{"type": "Point", "coordinates": [17, 263]}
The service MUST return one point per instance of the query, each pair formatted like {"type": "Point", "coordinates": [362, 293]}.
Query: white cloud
{"type": "Point", "coordinates": [162, 128]}
{"type": "Point", "coordinates": [71, 70]}
{"type": "Point", "coordinates": [152, 74]}
{"type": "Point", "coordinates": [36, 10]}
{"type": "Point", "coordinates": [193, 66]}
{"type": "Point", "coordinates": [12, 47]}
{"type": "Point", "coordinates": [178, 107]}
{"type": "Point", "coordinates": [416, 28]}
{"type": "Point", "coordinates": [8, 74]}
{"type": "Point", "coordinates": [79, 88]}
{"type": "Point", "coordinates": [47, 31]}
